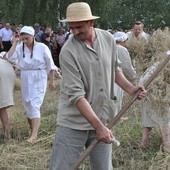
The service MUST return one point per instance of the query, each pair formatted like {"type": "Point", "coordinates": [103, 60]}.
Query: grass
{"type": "Point", "coordinates": [17, 154]}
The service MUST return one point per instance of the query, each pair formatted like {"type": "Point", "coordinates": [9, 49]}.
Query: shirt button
{"type": "Point", "coordinates": [101, 90]}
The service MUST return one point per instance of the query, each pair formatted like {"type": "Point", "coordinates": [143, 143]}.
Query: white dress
{"type": "Point", "coordinates": [128, 71]}
{"type": "Point", "coordinates": [33, 76]}
{"type": "Point", "coordinates": [155, 111]}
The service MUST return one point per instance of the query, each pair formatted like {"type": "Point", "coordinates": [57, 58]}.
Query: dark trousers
{"type": "Point", "coordinates": [7, 45]}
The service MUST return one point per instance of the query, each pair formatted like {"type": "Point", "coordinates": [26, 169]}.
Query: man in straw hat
{"type": "Point", "coordinates": [89, 67]}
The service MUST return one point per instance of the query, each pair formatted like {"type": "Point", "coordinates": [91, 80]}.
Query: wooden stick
{"type": "Point", "coordinates": [121, 112]}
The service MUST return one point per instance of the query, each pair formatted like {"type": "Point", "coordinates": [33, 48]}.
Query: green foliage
{"type": "Point", "coordinates": [114, 14]}
{"type": "Point", "coordinates": [153, 14]}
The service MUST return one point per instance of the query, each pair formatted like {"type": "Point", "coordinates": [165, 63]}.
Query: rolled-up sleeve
{"type": "Point", "coordinates": [73, 85]}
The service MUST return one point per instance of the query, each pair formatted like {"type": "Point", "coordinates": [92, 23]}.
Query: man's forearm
{"type": "Point", "coordinates": [121, 80]}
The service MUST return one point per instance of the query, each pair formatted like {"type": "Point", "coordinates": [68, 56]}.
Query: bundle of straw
{"type": "Point", "coordinates": [147, 54]}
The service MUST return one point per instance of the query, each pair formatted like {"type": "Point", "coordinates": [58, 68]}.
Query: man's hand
{"type": "Point", "coordinates": [142, 92]}
{"type": "Point", "coordinates": [105, 135]}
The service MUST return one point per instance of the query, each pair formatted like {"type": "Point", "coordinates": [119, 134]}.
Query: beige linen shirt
{"type": "Point", "coordinates": [90, 73]}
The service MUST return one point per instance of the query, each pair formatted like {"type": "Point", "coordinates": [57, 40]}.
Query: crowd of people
{"type": "Point", "coordinates": [45, 34]}
{"type": "Point", "coordinates": [43, 46]}
{"type": "Point", "coordinates": [96, 68]}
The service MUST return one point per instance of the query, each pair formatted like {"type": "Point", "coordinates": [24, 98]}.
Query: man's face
{"type": "Point", "coordinates": [137, 29]}
{"type": "Point", "coordinates": [7, 26]}
{"type": "Point", "coordinates": [82, 29]}
{"type": "Point", "coordinates": [48, 31]}
{"type": "Point", "coordinates": [37, 28]}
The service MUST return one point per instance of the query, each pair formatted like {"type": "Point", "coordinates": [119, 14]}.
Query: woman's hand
{"type": "Point", "coordinates": [16, 38]}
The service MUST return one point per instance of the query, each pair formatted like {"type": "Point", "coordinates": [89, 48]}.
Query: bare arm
{"type": "Point", "coordinates": [103, 133]}
{"type": "Point", "coordinates": [14, 44]}
{"type": "Point", "coordinates": [1, 45]}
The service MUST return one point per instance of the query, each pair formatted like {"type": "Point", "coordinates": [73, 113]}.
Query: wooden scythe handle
{"type": "Point", "coordinates": [121, 112]}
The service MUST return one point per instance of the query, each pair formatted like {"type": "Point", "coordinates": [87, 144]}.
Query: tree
{"type": "Point", "coordinates": [114, 13]}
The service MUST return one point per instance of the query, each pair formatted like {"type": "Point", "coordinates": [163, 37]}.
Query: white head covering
{"type": "Point", "coordinates": [120, 36]}
{"type": "Point", "coordinates": [2, 54]}
{"type": "Point", "coordinates": [28, 30]}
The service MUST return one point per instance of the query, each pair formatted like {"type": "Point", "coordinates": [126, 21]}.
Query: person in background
{"type": "Point", "coordinates": [35, 62]}
{"type": "Point", "coordinates": [126, 65]}
{"type": "Point", "coordinates": [38, 32]}
{"type": "Point", "coordinates": [155, 108]}
{"type": "Point", "coordinates": [20, 25]}
{"type": "Point", "coordinates": [54, 49]}
{"type": "Point", "coordinates": [137, 32]}
{"type": "Point", "coordinates": [12, 26]}
{"type": "Point", "coordinates": [46, 36]}
{"type": "Point", "coordinates": [60, 39]}
{"type": "Point", "coordinates": [1, 25]}
{"type": "Point", "coordinates": [68, 33]}
{"type": "Point", "coordinates": [16, 33]}
{"type": "Point", "coordinates": [5, 37]}
{"type": "Point", "coordinates": [89, 67]}
{"type": "Point", "coordinates": [7, 82]}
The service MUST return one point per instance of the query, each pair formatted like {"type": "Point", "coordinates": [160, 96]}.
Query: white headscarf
{"type": "Point", "coordinates": [28, 30]}
{"type": "Point", "coordinates": [120, 36]}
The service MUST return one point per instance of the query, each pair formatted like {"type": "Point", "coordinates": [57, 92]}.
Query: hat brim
{"type": "Point", "coordinates": [79, 20]}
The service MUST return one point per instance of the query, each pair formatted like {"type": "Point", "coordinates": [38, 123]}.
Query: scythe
{"type": "Point", "coordinates": [122, 111]}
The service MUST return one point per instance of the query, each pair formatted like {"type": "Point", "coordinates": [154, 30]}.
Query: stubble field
{"type": "Point", "coordinates": [18, 154]}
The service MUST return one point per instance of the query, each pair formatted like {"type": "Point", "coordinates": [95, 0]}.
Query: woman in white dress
{"type": "Point", "coordinates": [125, 64]}
{"type": "Point", "coordinates": [35, 62]}
{"type": "Point", "coordinates": [7, 82]}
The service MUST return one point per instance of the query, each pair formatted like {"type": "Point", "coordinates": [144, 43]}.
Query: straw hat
{"type": "Point", "coordinates": [120, 36]}
{"type": "Point", "coordinates": [79, 11]}
{"type": "Point", "coordinates": [28, 30]}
